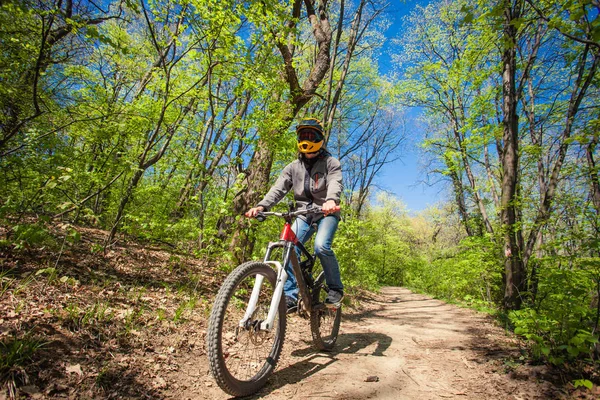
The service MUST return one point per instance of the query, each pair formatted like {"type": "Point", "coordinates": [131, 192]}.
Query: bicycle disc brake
{"type": "Point", "coordinates": [256, 335]}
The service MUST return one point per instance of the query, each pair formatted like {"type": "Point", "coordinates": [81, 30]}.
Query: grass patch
{"type": "Point", "coordinates": [185, 305]}
{"type": "Point", "coordinates": [15, 355]}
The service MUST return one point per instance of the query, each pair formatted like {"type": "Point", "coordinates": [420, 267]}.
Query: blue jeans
{"type": "Point", "coordinates": [326, 228]}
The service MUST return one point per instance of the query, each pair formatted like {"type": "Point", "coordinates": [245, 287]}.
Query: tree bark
{"type": "Point", "coordinates": [459, 197]}
{"type": "Point", "coordinates": [594, 175]}
{"type": "Point", "coordinates": [514, 268]}
{"type": "Point", "coordinates": [471, 177]}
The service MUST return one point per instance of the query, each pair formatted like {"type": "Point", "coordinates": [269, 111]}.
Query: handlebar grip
{"type": "Point", "coordinates": [260, 217]}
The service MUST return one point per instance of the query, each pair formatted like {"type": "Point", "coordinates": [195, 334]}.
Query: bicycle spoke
{"type": "Point", "coordinates": [246, 350]}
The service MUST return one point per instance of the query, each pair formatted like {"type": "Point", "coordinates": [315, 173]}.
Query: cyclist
{"type": "Point", "coordinates": [316, 179]}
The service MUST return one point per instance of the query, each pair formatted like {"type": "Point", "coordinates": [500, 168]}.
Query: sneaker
{"type": "Point", "coordinates": [291, 304]}
{"type": "Point", "coordinates": [334, 298]}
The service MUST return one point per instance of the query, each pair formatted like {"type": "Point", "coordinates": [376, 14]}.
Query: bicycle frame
{"type": "Point", "coordinates": [287, 241]}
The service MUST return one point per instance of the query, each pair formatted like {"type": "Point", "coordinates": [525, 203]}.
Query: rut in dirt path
{"type": "Point", "coordinates": [403, 346]}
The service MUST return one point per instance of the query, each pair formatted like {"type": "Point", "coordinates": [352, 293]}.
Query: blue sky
{"type": "Point", "coordinates": [405, 177]}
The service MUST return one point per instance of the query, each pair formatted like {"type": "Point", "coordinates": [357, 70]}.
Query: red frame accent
{"type": "Point", "coordinates": [288, 234]}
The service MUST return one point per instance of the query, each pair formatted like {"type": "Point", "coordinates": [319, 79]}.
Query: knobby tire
{"type": "Point", "coordinates": [225, 347]}
{"type": "Point", "coordinates": [324, 321]}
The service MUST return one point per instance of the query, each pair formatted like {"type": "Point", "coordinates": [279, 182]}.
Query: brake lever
{"type": "Point", "coordinates": [260, 217]}
{"type": "Point", "coordinates": [319, 210]}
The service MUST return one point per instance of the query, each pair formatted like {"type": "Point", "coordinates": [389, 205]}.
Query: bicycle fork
{"type": "Point", "coordinates": [289, 256]}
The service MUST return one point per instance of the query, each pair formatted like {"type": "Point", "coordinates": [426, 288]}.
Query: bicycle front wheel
{"type": "Point", "coordinates": [324, 320]}
{"type": "Point", "coordinates": [242, 358]}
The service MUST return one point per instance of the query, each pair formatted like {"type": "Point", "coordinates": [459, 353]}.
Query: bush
{"type": "Point", "coordinates": [560, 321]}
{"type": "Point", "coordinates": [31, 235]}
{"type": "Point", "coordinates": [465, 273]}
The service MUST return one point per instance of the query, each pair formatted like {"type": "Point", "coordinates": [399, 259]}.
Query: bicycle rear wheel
{"type": "Point", "coordinates": [242, 358]}
{"type": "Point", "coordinates": [324, 320]}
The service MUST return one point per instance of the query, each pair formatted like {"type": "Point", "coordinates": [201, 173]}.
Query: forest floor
{"type": "Point", "coordinates": [130, 323]}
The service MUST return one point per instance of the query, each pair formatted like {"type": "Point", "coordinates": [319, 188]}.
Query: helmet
{"type": "Point", "coordinates": [310, 135]}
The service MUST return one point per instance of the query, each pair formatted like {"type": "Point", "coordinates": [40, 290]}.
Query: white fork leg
{"type": "Point", "coordinates": [253, 299]}
{"type": "Point", "coordinates": [277, 293]}
{"type": "Point", "coordinates": [281, 278]}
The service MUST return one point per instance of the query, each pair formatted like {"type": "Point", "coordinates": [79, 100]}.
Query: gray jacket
{"type": "Point", "coordinates": [314, 188]}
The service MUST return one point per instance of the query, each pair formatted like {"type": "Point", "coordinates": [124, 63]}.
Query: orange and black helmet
{"type": "Point", "coordinates": [310, 135]}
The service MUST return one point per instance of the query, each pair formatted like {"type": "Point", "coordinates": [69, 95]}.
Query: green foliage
{"type": "Point", "coordinates": [93, 316]}
{"type": "Point", "coordinates": [17, 351]}
{"type": "Point", "coordinates": [470, 272]}
{"type": "Point", "coordinates": [560, 322]}
{"type": "Point", "coordinates": [583, 382]}
{"type": "Point", "coordinates": [49, 272]}
{"type": "Point", "coordinates": [31, 235]}
{"type": "Point", "coordinates": [188, 304]}
{"type": "Point", "coordinates": [15, 355]}
{"type": "Point", "coordinates": [356, 268]}
{"type": "Point", "coordinates": [384, 247]}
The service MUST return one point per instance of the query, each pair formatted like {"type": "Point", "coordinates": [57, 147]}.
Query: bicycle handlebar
{"type": "Point", "coordinates": [261, 216]}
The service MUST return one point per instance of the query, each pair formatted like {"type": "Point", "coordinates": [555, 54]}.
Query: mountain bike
{"type": "Point", "coordinates": [247, 325]}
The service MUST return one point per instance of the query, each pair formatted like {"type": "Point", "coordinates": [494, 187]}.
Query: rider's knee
{"type": "Point", "coordinates": [322, 249]}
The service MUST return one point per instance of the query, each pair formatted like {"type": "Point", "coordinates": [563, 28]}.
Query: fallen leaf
{"type": "Point", "coordinates": [74, 369]}
{"type": "Point", "coordinates": [159, 383]}
{"type": "Point", "coordinates": [30, 389]}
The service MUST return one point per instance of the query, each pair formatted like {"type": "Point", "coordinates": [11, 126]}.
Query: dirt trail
{"type": "Point", "coordinates": [416, 347]}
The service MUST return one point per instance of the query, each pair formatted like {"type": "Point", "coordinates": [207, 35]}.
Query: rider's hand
{"type": "Point", "coordinates": [253, 212]}
{"type": "Point", "coordinates": [330, 207]}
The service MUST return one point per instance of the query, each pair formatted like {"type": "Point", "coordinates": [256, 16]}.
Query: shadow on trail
{"type": "Point", "coordinates": [400, 300]}
{"type": "Point", "coordinates": [356, 317]}
{"type": "Point", "coordinates": [389, 310]}
{"type": "Point", "coordinates": [354, 342]}
{"type": "Point", "coordinates": [317, 361]}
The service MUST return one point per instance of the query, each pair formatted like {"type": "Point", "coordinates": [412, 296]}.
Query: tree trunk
{"type": "Point", "coordinates": [514, 268]}
{"type": "Point", "coordinates": [459, 196]}
{"type": "Point", "coordinates": [471, 177]}
{"type": "Point", "coordinates": [256, 182]}
{"type": "Point", "coordinates": [593, 174]}
{"type": "Point", "coordinates": [128, 193]}
{"type": "Point", "coordinates": [490, 175]}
